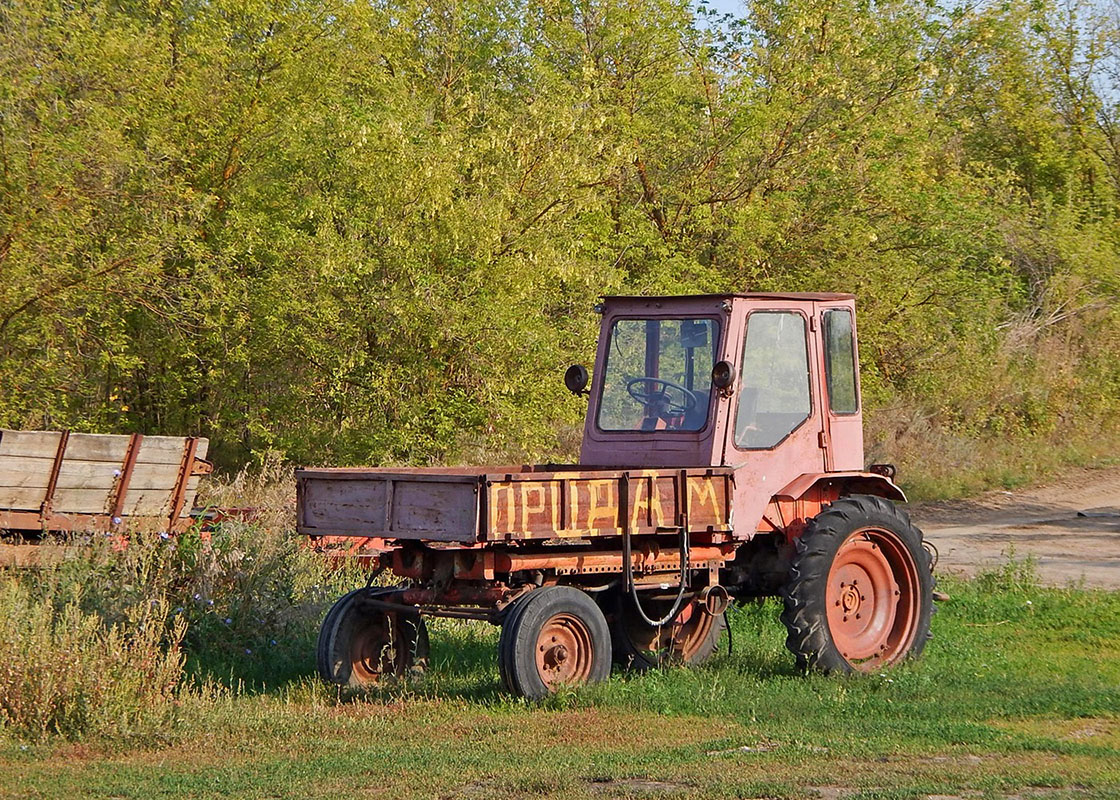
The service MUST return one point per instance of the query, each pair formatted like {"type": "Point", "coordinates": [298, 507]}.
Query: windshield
{"type": "Point", "coordinates": [658, 374]}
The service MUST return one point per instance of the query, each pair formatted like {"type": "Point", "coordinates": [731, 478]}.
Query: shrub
{"type": "Point", "coordinates": [64, 671]}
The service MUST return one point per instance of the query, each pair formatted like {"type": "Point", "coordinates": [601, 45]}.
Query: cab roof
{"type": "Point", "coordinates": [820, 296]}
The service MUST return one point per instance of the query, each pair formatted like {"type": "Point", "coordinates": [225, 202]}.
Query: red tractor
{"type": "Point", "coordinates": [722, 460]}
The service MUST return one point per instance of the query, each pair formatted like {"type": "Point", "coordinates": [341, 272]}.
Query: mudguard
{"type": "Point", "coordinates": [845, 482]}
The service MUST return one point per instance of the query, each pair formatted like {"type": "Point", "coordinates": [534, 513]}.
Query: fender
{"type": "Point", "coordinates": [847, 482]}
{"type": "Point", "coordinates": [804, 497]}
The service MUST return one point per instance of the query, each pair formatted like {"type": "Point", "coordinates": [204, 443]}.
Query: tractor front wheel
{"type": "Point", "coordinates": [360, 645]}
{"type": "Point", "coordinates": [860, 591]}
{"type": "Point", "coordinates": [553, 637]}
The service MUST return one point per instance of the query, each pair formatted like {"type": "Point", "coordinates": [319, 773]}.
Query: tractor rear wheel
{"type": "Point", "coordinates": [860, 591]}
{"type": "Point", "coordinates": [553, 637]}
{"type": "Point", "coordinates": [690, 639]}
{"type": "Point", "coordinates": [359, 646]}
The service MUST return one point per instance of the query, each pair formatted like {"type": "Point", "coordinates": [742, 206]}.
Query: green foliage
{"type": "Point", "coordinates": [100, 645]}
{"type": "Point", "coordinates": [373, 232]}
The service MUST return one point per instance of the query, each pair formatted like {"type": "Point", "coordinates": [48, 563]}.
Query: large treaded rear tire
{"type": "Point", "coordinates": [859, 596]}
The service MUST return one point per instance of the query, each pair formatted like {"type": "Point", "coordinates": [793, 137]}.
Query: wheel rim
{"type": "Point", "coordinates": [376, 649]}
{"type": "Point", "coordinates": [679, 640]}
{"type": "Point", "coordinates": [564, 651]}
{"type": "Point", "coordinates": [872, 599]}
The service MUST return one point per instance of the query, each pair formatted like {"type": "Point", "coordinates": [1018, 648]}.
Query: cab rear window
{"type": "Point", "coordinates": [840, 361]}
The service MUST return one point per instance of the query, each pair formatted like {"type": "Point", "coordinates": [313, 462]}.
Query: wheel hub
{"type": "Point", "coordinates": [849, 598]}
{"type": "Point", "coordinates": [373, 652]}
{"type": "Point", "coordinates": [555, 656]}
{"type": "Point", "coordinates": [871, 597]}
{"type": "Point", "coordinates": [564, 651]}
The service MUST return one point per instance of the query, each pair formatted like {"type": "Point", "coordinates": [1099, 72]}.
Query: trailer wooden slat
{"type": "Point", "coordinates": [34, 473]}
{"type": "Point", "coordinates": [136, 502]}
{"type": "Point", "coordinates": [94, 446]}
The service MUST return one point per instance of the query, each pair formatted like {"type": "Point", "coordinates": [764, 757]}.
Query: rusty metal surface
{"type": "Point", "coordinates": [604, 502]}
{"type": "Point", "coordinates": [56, 468]}
{"type": "Point", "coordinates": [512, 506]}
{"type": "Point", "coordinates": [187, 468]}
{"type": "Point", "coordinates": [36, 522]}
{"type": "Point", "coordinates": [399, 504]}
{"type": "Point", "coordinates": [647, 560]}
{"type": "Point", "coordinates": [120, 489]}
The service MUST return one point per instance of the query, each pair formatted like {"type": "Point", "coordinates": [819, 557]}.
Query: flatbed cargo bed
{"type": "Point", "coordinates": [499, 504]}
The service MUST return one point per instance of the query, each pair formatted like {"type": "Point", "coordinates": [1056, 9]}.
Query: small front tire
{"type": "Point", "coordinates": [361, 645]}
{"type": "Point", "coordinates": [553, 637]}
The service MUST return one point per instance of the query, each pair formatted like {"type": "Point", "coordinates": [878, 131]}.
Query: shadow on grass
{"type": "Point", "coordinates": [464, 665]}
{"type": "Point", "coordinates": [463, 662]}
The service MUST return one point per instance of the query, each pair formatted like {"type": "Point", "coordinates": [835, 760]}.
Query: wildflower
{"type": "Point", "coordinates": [197, 596]}
{"type": "Point", "coordinates": [272, 642]}
{"type": "Point", "coordinates": [116, 520]}
{"type": "Point", "coordinates": [228, 621]}
{"type": "Point", "coordinates": [248, 652]}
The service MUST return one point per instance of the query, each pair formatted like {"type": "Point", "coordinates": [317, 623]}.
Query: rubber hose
{"type": "Point", "coordinates": [626, 556]}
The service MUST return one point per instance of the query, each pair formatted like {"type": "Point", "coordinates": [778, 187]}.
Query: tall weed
{"type": "Point", "coordinates": [104, 643]}
{"type": "Point", "coordinates": [65, 671]}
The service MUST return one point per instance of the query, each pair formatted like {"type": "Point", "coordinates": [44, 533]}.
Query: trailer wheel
{"type": "Point", "coordinates": [860, 590]}
{"type": "Point", "coordinates": [359, 646]}
{"type": "Point", "coordinates": [690, 639]}
{"type": "Point", "coordinates": [553, 637]}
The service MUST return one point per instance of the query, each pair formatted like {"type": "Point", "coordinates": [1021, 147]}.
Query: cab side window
{"type": "Point", "coordinates": [840, 362]}
{"type": "Point", "coordinates": [774, 379]}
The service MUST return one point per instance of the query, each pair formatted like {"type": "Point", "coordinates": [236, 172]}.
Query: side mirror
{"type": "Point", "coordinates": [723, 375]}
{"type": "Point", "coordinates": [576, 379]}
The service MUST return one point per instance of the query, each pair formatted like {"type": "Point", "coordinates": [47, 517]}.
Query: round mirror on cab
{"type": "Point", "coordinates": [723, 375]}
{"type": "Point", "coordinates": [576, 379]}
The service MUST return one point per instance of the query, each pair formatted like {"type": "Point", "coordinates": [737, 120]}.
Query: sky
{"type": "Point", "coordinates": [726, 6]}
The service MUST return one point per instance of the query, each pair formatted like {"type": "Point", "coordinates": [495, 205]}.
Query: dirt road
{"type": "Point", "coordinates": [1072, 528]}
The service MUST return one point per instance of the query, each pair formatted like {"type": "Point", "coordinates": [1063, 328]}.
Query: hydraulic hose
{"type": "Point", "coordinates": [626, 556]}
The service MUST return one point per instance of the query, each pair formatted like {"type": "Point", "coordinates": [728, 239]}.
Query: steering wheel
{"type": "Point", "coordinates": [656, 395]}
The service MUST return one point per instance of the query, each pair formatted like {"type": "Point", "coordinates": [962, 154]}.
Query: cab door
{"type": "Point", "coordinates": [773, 423]}
{"type": "Point", "coordinates": [842, 431]}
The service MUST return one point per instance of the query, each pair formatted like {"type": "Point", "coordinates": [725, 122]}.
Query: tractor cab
{"type": "Point", "coordinates": [726, 380]}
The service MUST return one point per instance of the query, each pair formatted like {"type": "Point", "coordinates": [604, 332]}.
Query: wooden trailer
{"type": "Point", "coordinates": [58, 481]}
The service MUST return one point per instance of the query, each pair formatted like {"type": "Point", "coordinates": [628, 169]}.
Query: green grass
{"type": "Point", "coordinates": [1018, 695]}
